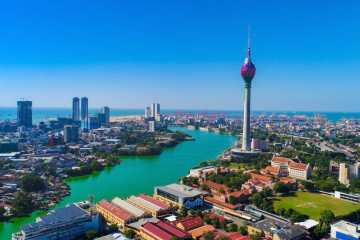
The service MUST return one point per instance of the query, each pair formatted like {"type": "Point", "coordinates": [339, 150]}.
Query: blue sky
{"type": "Point", "coordinates": [186, 54]}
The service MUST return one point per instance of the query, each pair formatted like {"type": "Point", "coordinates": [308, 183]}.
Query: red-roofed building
{"type": "Point", "coordinates": [257, 183]}
{"type": "Point", "coordinates": [242, 195]}
{"type": "Point", "coordinates": [214, 187]}
{"type": "Point", "coordinates": [162, 231]}
{"type": "Point", "coordinates": [190, 224]}
{"type": "Point", "coordinates": [222, 204]}
{"type": "Point", "coordinates": [292, 168]}
{"type": "Point", "coordinates": [114, 214]}
{"type": "Point", "coordinates": [272, 170]}
{"type": "Point", "coordinates": [221, 219]}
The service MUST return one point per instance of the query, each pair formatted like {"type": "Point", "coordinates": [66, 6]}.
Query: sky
{"type": "Point", "coordinates": [182, 54]}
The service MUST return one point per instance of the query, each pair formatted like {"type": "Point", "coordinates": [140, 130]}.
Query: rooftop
{"type": "Point", "coordinates": [180, 190]}
{"type": "Point", "coordinates": [108, 206]}
{"type": "Point", "coordinates": [130, 208]}
{"type": "Point", "coordinates": [162, 230]}
{"type": "Point", "coordinates": [58, 216]}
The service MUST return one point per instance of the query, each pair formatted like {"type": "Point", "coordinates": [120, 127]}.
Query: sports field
{"type": "Point", "coordinates": [312, 204]}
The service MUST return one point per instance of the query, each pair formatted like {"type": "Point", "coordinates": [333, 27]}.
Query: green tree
{"type": "Point", "coordinates": [215, 221]}
{"type": "Point", "coordinates": [184, 211]}
{"type": "Point", "coordinates": [256, 236]}
{"type": "Point", "coordinates": [257, 199]}
{"type": "Point", "coordinates": [198, 213]}
{"type": "Point", "coordinates": [192, 212]}
{"type": "Point", "coordinates": [174, 238]}
{"type": "Point", "coordinates": [2, 212]}
{"type": "Point", "coordinates": [113, 228]}
{"type": "Point", "coordinates": [223, 225]}
{"type": "Point", "coordinates": [51, 171]}
{"type": "Point", "coordinates": [281, 187]}
{"type": "Point", "coordinates": [221, 190]}
{"type": "Point", "coordinates": [91, 234]}
{"type": "Point", "coordinates": [207, 218]}
{"type": "Point", "coordinates": [232, 200]}
{"type": "Point", "coordinates": [208, 235]}
{"type": "Point", "coordinates": [327, 216]}
{"type": "Point", "coordinates": [233, 227]}
{"type": "Point", "coordinates": [130, 233]}
{"type": "Point", "coordinates": [96, 166]}
{"type": "Point", "coordinates": [32, 183]}
{"type": "Point", "coordinates": [243, 230]}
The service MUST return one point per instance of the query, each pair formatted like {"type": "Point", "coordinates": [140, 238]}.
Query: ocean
{"type": "Point", "coordinates": [9, 113]}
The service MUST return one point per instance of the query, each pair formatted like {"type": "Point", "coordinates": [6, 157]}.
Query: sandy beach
{"type": "Point", "coordinates": [126, 118]}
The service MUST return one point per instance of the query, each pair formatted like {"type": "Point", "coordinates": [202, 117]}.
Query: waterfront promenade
{"type": "Point", "coordinates": [138, 174]}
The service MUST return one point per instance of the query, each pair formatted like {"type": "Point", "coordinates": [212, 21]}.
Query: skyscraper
{"type": "Point", "coordinates": [24, 113]}
{"type": "Point", "coordinates": [106, 111]}
{"type": "Point", "coordinates": [85, 110]}
{"type": "Point", "coordinates": [147, 112]}
{"type": "Point", "coordinates": [71, 133]}
{"type": "Point", "coordinates": [76, 109]}
{"type": "Point", "coordinates": [247, 72]}
{"type": "Point", "coordinates": [155, 111]}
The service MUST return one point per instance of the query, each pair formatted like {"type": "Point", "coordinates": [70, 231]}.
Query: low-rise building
{"type": "Point", "coordinates": [130, 208]}
{"type": "Point", "coordinates": [162, 231]}
{"type": "Point", "coordinates": [62, 223]}
{"type": "Point", "coordinates": [275, 229]}
{"type": "Point", "coordinates": [179, 195]}
{"type": "Point", "coordinates": [190, 224]}
{"type": "Point", "coordinates": [114, 214]}
{"type": "Point", "coordinates": [155, 207]}
{"type": "Point", "coordinates": [292, 168]}
{"type": "Point", "coordinates": [198, 232]}
{"type": "Point", "coordinates": [344, 230]}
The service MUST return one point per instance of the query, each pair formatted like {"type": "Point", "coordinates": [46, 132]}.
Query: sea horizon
{"type": "Point", "coordinates": [46, 113]}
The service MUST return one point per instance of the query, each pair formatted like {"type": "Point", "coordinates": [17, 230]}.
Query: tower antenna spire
{"type": "Point", "coordinates": [248, 50]}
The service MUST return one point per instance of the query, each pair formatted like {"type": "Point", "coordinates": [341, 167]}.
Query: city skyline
{"type": "Point", "coordinates": [194, 62]}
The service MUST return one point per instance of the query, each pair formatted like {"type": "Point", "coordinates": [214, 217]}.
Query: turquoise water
{"type": "Point", "coordinates": [138, 174]}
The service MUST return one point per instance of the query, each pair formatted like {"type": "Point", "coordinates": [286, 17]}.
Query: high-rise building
{"type": "Point", "coordinates": [71, 133]}
{"type": "Point", "coordinates": [106, 111]}
{"type": "Point", "coordinates": [85, 110]}
{"type": "Point", "coordinates": [151, 126]}
{"type": "Point", "coordinates": [155, 109]}
{"type": "Point", "coordinates": [147, 112]}
{"type": "Point", "coordinates": [93, 122]}
{"type": "Point", "coordinates": [247, 72]}
{"type": "Point", "coordinates": [76, 109]}
{"type": "Point", "coordinates": [24, 113]}
{"type": "Point", "coordinates": [101, 117]}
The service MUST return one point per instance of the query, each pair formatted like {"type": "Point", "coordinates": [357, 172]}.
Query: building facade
{"type": "Point", "coordinates": [76, 109]}
{"type": "Point", "coordinates": [344, 230]}
{"type": "Point", "coordinates": [106, 111]}
{"type": "Point", "coordinates": [292, 168]}
{"type": "Point", "coordinates": [24, 113]}
{"type": "Point", "coordinates": [179, 195]}
{"type": "Point", "coordinates": [71, 133]}
{"type": "Point", "coordinates": [62, 223]}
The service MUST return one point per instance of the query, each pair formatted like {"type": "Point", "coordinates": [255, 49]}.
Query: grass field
{"type": "Point", "coordinates": [312, 204]}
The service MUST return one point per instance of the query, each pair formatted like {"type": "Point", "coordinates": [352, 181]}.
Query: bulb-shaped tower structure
{"type": "Point", "coordinates": [247, 72]}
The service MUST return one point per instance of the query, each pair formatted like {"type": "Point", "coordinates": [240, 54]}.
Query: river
{"type": "Point", "coordinates": [138, 174]}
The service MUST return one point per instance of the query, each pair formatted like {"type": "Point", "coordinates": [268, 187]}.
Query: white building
{"type": "Point", "coordinates": [147, 112]}
{"type": "Point", "coordinates": [151, 126]}
{"type": "Point", "coordinates": [155, 110]}
{"type": "Point", "coordinates": [345, 230]}
{"type": "Point", "coordinates": [288, 167]}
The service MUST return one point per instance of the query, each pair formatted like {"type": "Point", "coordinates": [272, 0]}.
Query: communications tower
{"type": "Point", "coordinates": [247, 72]}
